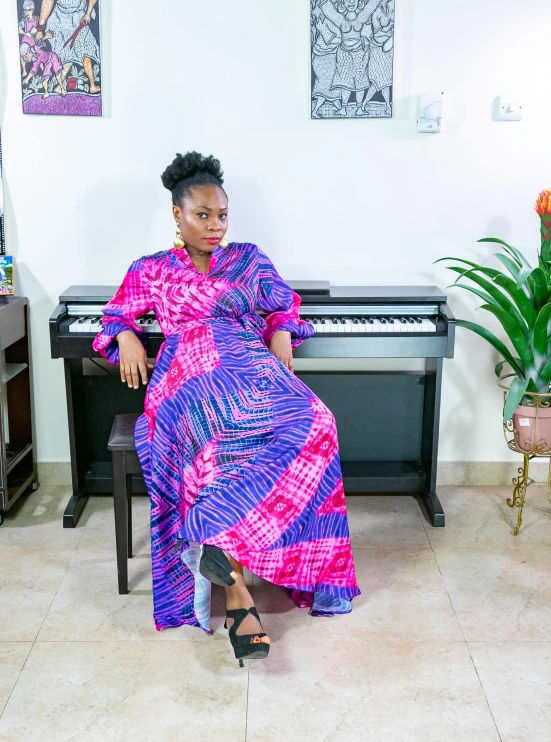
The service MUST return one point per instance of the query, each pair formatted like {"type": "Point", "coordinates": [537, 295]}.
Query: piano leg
{"type": "Point", "coordinates": [434, 509]}
{"type": "Point", "coordinates": [73, 509]}
{"type": "Point", "coordinates": [76, 415]}
{"type": "Point", "coordinates": [429, 446]}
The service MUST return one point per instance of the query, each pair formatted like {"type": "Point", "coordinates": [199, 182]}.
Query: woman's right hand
{"type": "Point", "coordinates": [133, 359]}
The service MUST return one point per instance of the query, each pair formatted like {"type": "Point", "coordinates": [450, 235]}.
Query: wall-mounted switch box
{"type": "Point", "coordinates": [430, 112]}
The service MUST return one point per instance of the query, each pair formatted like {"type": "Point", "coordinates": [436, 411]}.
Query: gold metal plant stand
{"type": "Point", "coordinates": [538, 448]}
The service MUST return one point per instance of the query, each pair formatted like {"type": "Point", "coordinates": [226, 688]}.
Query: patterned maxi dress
{"type": "Point", "coordinates": [236, 451]}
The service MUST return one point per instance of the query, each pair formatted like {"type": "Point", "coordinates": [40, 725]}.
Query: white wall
{"type": "Point", "coordinates": [360, 202]}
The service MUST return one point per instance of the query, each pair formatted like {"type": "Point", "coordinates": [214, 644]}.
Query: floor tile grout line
{"type": "Point", "coordinates": [16, 680]}
{"type": "Point", "coordinates": [163, 642]}
{"type": "Point", "coordinates": [463, 634]}
{"type": "Point", "coordinates": [248, 675]}
{"type": "Point", "coordinates": [482, 688]}
{"type": "Point", "coordinates": [33, 643]}
{"type": "Point", "coordinates": [247, 700]}
{"type": "Point", "coordinates": [447, 591]}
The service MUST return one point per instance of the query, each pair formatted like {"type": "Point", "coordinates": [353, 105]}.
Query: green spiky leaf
{"type": "Point", "coordinates": [501, 348]}
{"type": "Point", "coordinates": [514, 397]}
{"type": "Point", "coordinates": [515, 335]}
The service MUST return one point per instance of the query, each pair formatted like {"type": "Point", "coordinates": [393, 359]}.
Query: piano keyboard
{"type": "Point", "coordinates": [93, 324]}
{"type": "Point", "coordinates": [359, 325]}
{"type": "Point", "coordinates": [369, 325]}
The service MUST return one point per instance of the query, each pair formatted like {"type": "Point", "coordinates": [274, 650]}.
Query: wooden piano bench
{"type": "Point", "coordinates": [125, 463]}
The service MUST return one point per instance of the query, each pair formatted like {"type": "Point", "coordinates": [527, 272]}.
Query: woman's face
{"type": "Point", "coordinates": [203, 217]}
{"type": "Point", "coordinates": [28, 11]}
{"type": "Point", "coordinates": [351, 5]}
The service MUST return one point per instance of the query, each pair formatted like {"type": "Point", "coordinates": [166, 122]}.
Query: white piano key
{"type": "Point", "coordinates": [428, 326]}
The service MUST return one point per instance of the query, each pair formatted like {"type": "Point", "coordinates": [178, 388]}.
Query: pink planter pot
{"type": "Point", "coordinates": [532, 429]}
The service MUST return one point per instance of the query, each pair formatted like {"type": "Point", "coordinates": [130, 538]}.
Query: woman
{"type": "Point", "coordinates": [350, 17]}
{"type": "Point", "coordinates": [68, 21]}
{"type": "Point", "coordinates": [324, 62]}
{"type": "Point", "coordinates": [238, 455]}
{"type": "Point", "coordinates": [43, 57]}
{"type": "Point", "coordinates": [380, 59]}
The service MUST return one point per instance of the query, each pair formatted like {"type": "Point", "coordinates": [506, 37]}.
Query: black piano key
{"type": "Point", "coordinates": [403, 320]}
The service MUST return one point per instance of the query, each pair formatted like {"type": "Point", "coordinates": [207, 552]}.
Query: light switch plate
{"type": "Point", "coordinates": [508, 110]}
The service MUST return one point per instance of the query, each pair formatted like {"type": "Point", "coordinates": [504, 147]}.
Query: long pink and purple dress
{"type": "Point", "coordinates": [236, 451]}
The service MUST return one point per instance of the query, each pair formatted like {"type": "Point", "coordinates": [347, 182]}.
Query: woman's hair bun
{"type": "Point", "coordinates": [192, 165]}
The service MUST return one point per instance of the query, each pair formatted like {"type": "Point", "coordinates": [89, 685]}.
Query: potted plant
{"type": "Point", "coordinates": [519, 296]}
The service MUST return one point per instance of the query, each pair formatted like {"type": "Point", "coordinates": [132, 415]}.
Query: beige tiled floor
{"type": "Point", "coordinates": [449, 642]}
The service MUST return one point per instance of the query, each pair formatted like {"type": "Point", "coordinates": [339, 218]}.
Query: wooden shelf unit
{"type": "Point", "coordinates": [18, 471]}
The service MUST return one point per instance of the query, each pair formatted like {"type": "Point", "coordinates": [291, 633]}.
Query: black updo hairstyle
{"type": "Point", "coordinates": [191, 169]}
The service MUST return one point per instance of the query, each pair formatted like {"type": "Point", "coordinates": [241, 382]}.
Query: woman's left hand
{"type": "Point", "coordinates": [281, 348]}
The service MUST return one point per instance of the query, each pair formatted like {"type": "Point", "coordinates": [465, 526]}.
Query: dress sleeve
{"type": "Point", "coordinates": [281, 303]}
{"type": "Point", "coordinates": [132, 300]}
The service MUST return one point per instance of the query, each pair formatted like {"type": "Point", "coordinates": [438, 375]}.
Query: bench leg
{"type": "Point", "coordinates": [129, 511]}
{"type": "Point", "coordinates": [120, 501]}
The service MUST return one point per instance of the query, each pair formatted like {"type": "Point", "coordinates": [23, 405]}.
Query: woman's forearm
{"type": "Point", "coordinates": [365, 14]}
{"type": "Point", "coordinates": [45, 10]}
{"type": "Point", "coordinates": [91, 5]}
{"type": "Point", "coordinates": [331, 13]}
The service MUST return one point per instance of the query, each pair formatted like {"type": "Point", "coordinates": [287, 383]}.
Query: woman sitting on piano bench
{"type": "Point", "coordinates": [238, 455]}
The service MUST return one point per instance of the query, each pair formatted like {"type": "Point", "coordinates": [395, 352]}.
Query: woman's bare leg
{"type": "Point", "coordinates": [237, 596]}
{"type": "Point", "coordinates": [88, 69]}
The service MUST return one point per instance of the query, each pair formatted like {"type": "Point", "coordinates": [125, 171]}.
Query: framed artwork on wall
{"type": "Point", "coordinates": [2, 236]}
{"type": "Point", "coordinates": [352, 52]}
{"type": "Point", "coordinates": [59, 53]}
{"type": "Point", "coordinates": [6, 275]}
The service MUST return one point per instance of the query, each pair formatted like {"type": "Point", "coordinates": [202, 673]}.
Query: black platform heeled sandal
{"type": "Point", "coordinates": [215, 566]}
{"type": "Point", "coordinates": [243, 646]}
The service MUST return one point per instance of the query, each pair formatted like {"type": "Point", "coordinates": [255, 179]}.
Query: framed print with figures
{"type": "Point", "coordinates": [59, 55]}
{"type": "Point", "coordinates": [352, 48]}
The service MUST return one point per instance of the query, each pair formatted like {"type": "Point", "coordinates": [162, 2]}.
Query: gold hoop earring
{"type": "Point", "coordinates": [178, 242]}
{"type": "Point", "coordinates": [223, 243]}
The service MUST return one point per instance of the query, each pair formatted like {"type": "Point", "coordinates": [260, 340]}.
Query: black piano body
{"type": "Point", "coordinates": [376, 361]}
